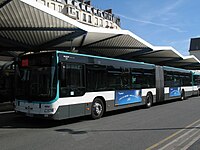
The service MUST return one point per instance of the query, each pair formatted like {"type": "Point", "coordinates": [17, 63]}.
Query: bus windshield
{"type": "Point", "coordinates": [36, 83]}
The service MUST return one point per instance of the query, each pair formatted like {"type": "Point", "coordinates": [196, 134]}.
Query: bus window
{"type": "Point", "coordinates": [196, 79]}
{"type": "Point", "coordinates": [137, 78]}
{"type": "Point", "coordinates": [168, 79]}
{"type": "Point", "coordinates": [143, 78]}
{"type": "Point", "coordinates": [185, 79]}
{"type": "Point", "coordinates": [177, 81]}
{"type": "Point", "coordinates": [96, 78]}
{"type": "Point", "coordinates": [149, 78]}
{"type": "Point", "coordinates": [119, 78]}
{"type": "Point", "coordinates": [114, 78]}
{"type": "Point", "coordinates": [126, 78]}
{"type": "Point", "coordinates": [188, 80]}
{"type": "Point", "coordinates": [73, 82]}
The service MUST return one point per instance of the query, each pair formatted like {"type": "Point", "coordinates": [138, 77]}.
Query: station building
{"type": "Point", "coordinates": [195, 47]}
{"type": "Point", "coordinates": [75, 25]}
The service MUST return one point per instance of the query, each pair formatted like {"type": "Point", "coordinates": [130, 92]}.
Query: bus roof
{"type": "Point", "coordinates": [176, 69]}
{"type": "Point", "coordinates": [195, 73]}
{"type": "Point", "coordinates": [106, 58]}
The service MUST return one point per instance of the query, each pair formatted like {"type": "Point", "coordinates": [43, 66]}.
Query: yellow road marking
{"type": "Point", "coordinates": [171, 136]}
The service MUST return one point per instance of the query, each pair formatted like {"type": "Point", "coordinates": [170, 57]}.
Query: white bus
{"type": "Point", "coordinates": [60, 85]}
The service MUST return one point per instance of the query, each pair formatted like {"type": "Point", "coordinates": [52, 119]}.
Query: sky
{"type": "Point", "coordinates": [159, 22]}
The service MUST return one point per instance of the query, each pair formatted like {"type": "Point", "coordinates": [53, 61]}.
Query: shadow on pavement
{"type": "Point", "coordinates": [70, 131]}
{"type": "Point", "coordinates": [13, 120]}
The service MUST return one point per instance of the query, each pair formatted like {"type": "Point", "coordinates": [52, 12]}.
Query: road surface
{"type": "Point", "coordinates": [173, 125]}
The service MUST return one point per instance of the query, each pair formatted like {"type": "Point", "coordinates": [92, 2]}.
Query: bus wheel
{"type": "Point", "coordinates": [183, 95]}
{"type": "Point", "coordinates": [97, 108]}
{"type": "Point", "coordinates": [149, 100]}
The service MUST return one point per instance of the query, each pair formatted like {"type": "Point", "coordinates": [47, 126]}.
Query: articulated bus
{"type": "Point", "coordinates": [59, 85]}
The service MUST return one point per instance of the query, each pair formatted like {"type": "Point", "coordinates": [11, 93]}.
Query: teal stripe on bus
{"type": "Point", "coordinates": [106, 58]}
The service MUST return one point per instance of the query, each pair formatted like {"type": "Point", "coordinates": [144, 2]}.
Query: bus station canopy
{"type": "Point", "coordinates": [189, 62]}
{"type": "Point", "coordinates": [26, 25]}
{"type": "Point", "coordinates": [168, 56]}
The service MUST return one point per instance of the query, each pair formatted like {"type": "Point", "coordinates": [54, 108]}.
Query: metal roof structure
{"type": "Point", "coordinates": [188, 62]}
{"type": "Point", "coordinates": [168, 56]}
{"type": "Point", "coordinates": [26, 25]}
{"type": "Point", "coordinates": [159, 55]}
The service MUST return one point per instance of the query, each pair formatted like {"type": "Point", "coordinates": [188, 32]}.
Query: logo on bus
{"type": "Point", "coordinates": [174, 91]}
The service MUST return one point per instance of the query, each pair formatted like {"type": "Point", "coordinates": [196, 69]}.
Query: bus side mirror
{"type": "Point", "coordinates": [62, 71]}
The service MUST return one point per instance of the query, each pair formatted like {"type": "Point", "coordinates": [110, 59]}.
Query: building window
{"type": "Point", "coordinates": [72, 11]}
{"type": "Point", "coordinates": [96, 21]}
{"type": "Point", "coordinates": [84, 17]}
{"type": "Point", "coordinates": [53, 6]}
{"type": "Point", "coordinates": [111, 25]}
{"type": "Point", "coordinates": [107, 24]}
{"type": "Point", "coordinates": [70, 8]}
{"type": "Point", "coordinates": [101, 22]}
{"type": "Point", "coordinates": [59, 8]}
{"type": "Point", "coordinates": [47, 4]}
{"type": "Point", "coordinates": [89, 19]}
{"type": "Point", "coordinates": [67, 10]}
{"type": "Point", "coordinates": [77, 15]}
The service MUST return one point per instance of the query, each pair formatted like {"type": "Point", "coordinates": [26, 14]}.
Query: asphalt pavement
{"type": "Point", "coordinates": [174, 124]}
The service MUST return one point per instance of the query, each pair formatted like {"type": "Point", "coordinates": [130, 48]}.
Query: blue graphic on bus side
{"type": "Point", "coordinates": [123, 97]}
{"type": "Point", "coordinates": [174, 91]}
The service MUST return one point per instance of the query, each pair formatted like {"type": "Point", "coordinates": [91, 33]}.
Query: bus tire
{"type": "Point", "coordinates": [198, 94]}
{"type": "Point", "coordinates": [183, 95]}
{"type": "Point", "coordinates": [148, 100]}
{"type": "Point", "coordinates": [97, 109]}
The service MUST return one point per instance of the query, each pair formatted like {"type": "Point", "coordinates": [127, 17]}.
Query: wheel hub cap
{"type": "Point", "coordinates": [98, 108]}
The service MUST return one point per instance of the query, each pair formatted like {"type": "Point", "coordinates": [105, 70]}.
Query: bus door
{"type": "Point", "coordinates": [159, 84]}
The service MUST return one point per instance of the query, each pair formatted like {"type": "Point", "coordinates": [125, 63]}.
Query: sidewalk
{"type": "Point", "coordinates": [7, 106]}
